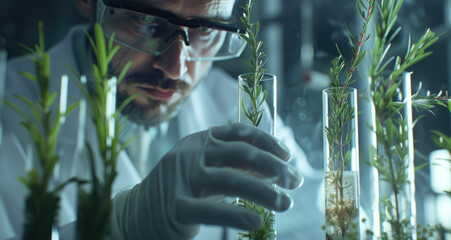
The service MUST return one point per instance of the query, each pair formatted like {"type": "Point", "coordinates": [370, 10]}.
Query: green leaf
{"type": "Point", "coordinates": [101, 48]}
{"type": "Point", "coordinates": [243, 108]}
{"type": "Point", "coordinates": [112, 54]}
{"type": "Point", "coordinates": [263, 99]}
{"type": "Point", "coordinates": [390, 92]}
{"type": "Point", "coordinates": [93, 44]}
{"type": "Point", "coordinates": [441, 104]}
{"type": "Point", "coordinates": [76, 74]}
{"type": "Point", "coordinates": [125, 103]}
{"type": "Point", "coordinates": [359, 59]}
{"type": "Point", "coordinates": [41, 34]}
{"type": "Point", "coordinates": [18, 110]}
{"type": "Point", "coordinates": [33, 177]}
{"type": "Point", "coordinates": [111, 42]}
{"type": "Point", "coordinates": [124, 72]}
{"type": "Point", "coordinates": [51, 98]}
{"type": "Point", "coordinates": [421, 166]}
{"type": "Point", "coordinates": [248, 63]}
{"type": "Point", "coordinates": [259, 119]}
{"type": "Point", "coordinates": [418, 58]}
{"type": "Point", "coordinates": [247, 90]}
{"type": "Point", "coordinates": [29, 103]}
{"type": "Point", "coordinates": [28, 50]}
{"type": "Point", "coordinates": [347, 159]}
{"type": "Point", "coordinates": [24, 181]}
{"type": "Point", "coordinates": [28, 75]}
{"type": "Point", "coordinates": [246, 38]}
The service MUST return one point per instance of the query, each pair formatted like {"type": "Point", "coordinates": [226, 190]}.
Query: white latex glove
{"type": "Point", "coordinates": [233, 160]}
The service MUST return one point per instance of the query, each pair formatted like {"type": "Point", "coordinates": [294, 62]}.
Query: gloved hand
{"type": "Point", "coordinates": [177, 196]}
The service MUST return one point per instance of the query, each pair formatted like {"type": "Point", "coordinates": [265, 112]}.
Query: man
{"type": "Point", "coordinates": [186, 149]}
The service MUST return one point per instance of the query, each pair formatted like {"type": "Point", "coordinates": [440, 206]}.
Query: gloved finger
{"type": "Point", "coordinates": [203, 211]}
{"type": "Point", "coordinates": [254, 136]}
{"type": "Point", "coordinates": [250, 159]}
{"type": "Point", "coordinates": [232, 182]}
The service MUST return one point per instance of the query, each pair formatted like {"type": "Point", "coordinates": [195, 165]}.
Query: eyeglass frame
{"type": "Point", "coordinates": [172, 18]}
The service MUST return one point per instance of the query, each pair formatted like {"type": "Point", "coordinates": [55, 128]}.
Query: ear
{"type": "Point", "coordinates": [84, 6]}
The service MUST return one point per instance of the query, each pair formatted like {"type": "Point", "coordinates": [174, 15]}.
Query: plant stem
{"type": "Point", "coordinates": [393, 175]}
{"type": "Point", "coordinates": [360, 43]}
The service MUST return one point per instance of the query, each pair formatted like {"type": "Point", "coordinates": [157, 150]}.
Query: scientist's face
{"type": "Point", "coordinates": [160, 83]}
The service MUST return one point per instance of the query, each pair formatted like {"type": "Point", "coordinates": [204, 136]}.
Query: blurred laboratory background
{"type": "Point", "coordinates": [299, 39]}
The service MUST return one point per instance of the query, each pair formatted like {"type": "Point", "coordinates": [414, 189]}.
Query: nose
{"type": "Point", "coordinates": [173, 61]}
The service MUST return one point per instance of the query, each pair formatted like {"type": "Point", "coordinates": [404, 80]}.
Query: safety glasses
{"type": "Point", "coordinates": [154, 31]}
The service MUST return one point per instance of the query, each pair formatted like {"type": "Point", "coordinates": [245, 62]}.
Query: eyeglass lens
{"type": "Point", "coordinates": [155, 35]}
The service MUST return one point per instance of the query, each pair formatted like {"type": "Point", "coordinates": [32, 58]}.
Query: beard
{"type": "Point", "coordinates": [153, 114]}
{"type": "Point", "coordinates": [155, 111]}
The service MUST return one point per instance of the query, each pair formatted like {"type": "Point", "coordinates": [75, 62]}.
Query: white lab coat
{"type": "Point", "coordinates": [212, 103]}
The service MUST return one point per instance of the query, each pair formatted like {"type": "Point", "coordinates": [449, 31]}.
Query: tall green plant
{"type": "Point", "coordinates": [256, 67]}
{"type": "Point", "coordinates": [340, 213]}
{"type": "Point", "coordinates": [42, 201]}
{"type": "Point", "coordinates": [390, 129]}
{"type": "Point", "coordinates": [95, 205]}
{"type": "Point", "coordinates": [255, 113]}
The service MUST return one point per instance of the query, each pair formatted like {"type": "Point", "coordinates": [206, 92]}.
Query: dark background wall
{"type": "Point", "coordinates": [288, 27]}
{"type": "Point", "coordinates": [19, 21]}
